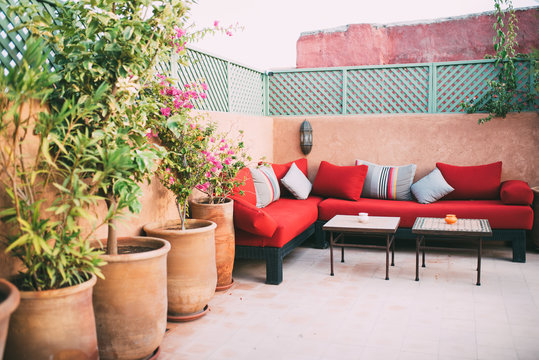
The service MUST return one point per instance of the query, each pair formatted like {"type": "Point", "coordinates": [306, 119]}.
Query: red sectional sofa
{"type": "Point", "coordinates": [274, 231]}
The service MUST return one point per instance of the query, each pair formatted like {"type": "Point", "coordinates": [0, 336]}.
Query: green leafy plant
{"type": "Point", "coordinates": [185, 138]}
{"type": "Point", "coordinates": [46, 159]}
{"type": "Point", "coordinates": [114, 47]}
{"type": "Point", "coordinates": [502, 95]}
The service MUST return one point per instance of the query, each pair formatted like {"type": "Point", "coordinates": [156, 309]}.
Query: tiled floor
{"type": "Point", "coordinates": [356, 314]}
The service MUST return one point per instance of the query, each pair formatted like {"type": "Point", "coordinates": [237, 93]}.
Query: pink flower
{"type": "Point", "coordinates": [193, 126]}
{"type": "Point", "coordinates": [167, 170]}
{"type": "Point", "coordinates": [204, 86]}
{"type": "Point", "coordinates": [203, 187]}
{"type": "Point", "coordinates": [171, 180]}
{"type": "Point", "coordinates": [179, 32]}
{"type": "Point", "coordinates": [212, 139]}
{"type": "Point", "coordinates": [203, 95]}
{"type": "Point", "coordinates": [214, 169]}
{"type": "Point", "coordinates": [151, 134]}
{"type": "Point", "coordinates": [228, 33]}
{"type": "Point", "coordinates": [208, 174]}
{"type": "Point", "coordinates": [228, 161]}
{"type": "Point", "coordinates": [165, 111]}
{"type": "Point", "coordinates": [230, 152]}
{"type": "Point", "coordinates": [216, 23]}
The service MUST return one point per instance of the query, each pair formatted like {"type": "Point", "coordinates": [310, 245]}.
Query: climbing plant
{"type": "Point", "coordinates": [502, 95]}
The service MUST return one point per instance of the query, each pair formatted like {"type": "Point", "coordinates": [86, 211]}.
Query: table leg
{"type": "Point", "coordinates": [342, 252]}
{"type": "Point", "coordinates": [417, 258]}
{"type": "Point", "coordinates": [331, 251]}
{"type": "Point", "coordinates": [387, 257]}
{"type": "Point", "coordinates": [479, 250]}
{"type": "Point", "coordinates": [424, 244]}
{"type": "Point", "coordinates": [393, 250]}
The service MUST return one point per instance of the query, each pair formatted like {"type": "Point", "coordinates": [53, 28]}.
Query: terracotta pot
{"type": "Point", "coordinates": [9, 300]}
{"type": "Point", "coordinates": [223, 215]}
{"type": "Point", "coordinates": [131, 303]}
{"type": "Point", "coordinates": [191, 272]}
{"type": "Point", "coordinates": [54, 324]}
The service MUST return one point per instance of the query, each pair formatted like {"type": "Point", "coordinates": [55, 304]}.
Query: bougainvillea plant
{"type": "Point", "coordinates": [226, 156]}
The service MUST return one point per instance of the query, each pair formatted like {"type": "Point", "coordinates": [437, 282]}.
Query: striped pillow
{"type": "Point", "coordinates": [266, 186]}
{"type": "Point", "coordinates": [388, 182]}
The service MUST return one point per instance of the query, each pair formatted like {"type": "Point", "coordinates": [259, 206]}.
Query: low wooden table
{"type": "Point", "coordinates": [463, 229]}
{"type": "Point", "coordinates": [350, 225]}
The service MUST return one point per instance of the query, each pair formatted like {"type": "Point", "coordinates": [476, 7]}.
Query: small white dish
{"type": "Point", "coordinates": [363, 217]}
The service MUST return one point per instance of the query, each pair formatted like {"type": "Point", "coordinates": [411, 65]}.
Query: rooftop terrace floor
{"type": "Point", "coordinates": [356, 314]}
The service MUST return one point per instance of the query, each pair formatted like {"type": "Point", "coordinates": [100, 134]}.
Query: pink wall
{"type": "Point", "coordinates": [463, 38]}
{"type": "Point", "coordinates": [421, 139]}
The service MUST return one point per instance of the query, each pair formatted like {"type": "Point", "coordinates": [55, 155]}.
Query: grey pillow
{"type": "Point", "coordinates": [297, 183]}
{"type": "Point", "coordinates": [388, 182]}
{"type": "Point", "coordinates": [431, 188]}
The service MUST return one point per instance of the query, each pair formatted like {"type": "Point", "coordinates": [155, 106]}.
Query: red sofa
{"type": "Point", "coordinates": [274, 231]}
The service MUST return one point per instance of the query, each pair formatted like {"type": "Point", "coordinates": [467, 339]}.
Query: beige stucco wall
{"type": "Point", "coordinates": [158, 203]}
{"type": "Point", "coordinates": [422, 139]}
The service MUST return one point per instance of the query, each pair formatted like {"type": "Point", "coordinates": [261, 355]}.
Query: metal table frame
{"type": "Point", "coordinates": [453, 233]}
{"type": "Point", "coordinates": [338, 241]}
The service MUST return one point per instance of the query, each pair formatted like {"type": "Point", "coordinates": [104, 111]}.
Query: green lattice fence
{"type": "Point", "coordinates": [231, 87]}
{"type": "Point", "coordinates": [410, 88]}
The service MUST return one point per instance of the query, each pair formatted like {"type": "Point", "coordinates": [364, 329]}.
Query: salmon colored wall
{"type": "Point", "coordinates": [158, 202]}
{"type": "Point", "coordinates": [422, 139]}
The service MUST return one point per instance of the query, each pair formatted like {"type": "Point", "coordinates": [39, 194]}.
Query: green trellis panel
{"type": "Point", "coordinates": [389, 89]}
{"type": "Point", "coordinates": [305, 92]}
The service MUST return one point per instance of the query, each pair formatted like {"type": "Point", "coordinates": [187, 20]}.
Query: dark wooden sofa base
{"type": "Point", "coordinates": [273, 256]}
{"type": "Point", "coordinates": [516, 237]}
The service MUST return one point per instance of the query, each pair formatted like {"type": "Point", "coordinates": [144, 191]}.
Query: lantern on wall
{"type": "Point", "coordinates": [306, 137]}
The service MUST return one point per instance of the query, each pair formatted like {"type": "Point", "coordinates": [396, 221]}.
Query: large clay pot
{"type": "Point", "coordinates": [54, 324]}
{"type": "Point", "coordinates": [221, 214]}
{"type": "Point", "coordinates": [191, 272]}
{"type": "Point", "coordinates": [9, 300]}
{"type": "Point", "coordinates": [130, 304]}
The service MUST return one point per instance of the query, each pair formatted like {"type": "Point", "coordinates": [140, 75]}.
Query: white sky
{"type": "Point", "coordinates": [272, 27]}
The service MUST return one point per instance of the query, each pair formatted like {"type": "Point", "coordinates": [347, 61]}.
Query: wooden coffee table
{"type": "Point", "coordinates": [350, 225]}
{"type": "Point", "coordinates": [463, 229]}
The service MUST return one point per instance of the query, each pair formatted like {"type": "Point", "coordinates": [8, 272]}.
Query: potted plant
{"type": "Point", "coordinates": [45, 160]}
{"type": "Point", "coordinates": [106, 57]}
{"type": "Point", "coordinates": [192, 274]}
{"type": "Point", "coordinates": [9, 300]}
{"type": "Point", "coordinates": [226, 156]}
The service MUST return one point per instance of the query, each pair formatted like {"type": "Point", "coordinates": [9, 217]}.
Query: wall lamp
{"type": "Point", "coordinates": [306, 137]}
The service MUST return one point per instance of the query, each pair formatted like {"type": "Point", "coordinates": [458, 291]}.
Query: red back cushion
{"type": "Point", "coordinates": [345, 182]}
{"type": "Point", "coordinates": [281, 170]}
{"type": "Point", "coordinates": [256, 221]}
{"type": "Point", "coordinates": [516, 192]}
{"type": "Point", "coordinates": [248, 188]}
{"type": "Point", "coordinates": [480, 182]}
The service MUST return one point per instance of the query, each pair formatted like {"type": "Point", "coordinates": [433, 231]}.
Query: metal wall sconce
{"type": "Point", "coordinates": [306, 137]}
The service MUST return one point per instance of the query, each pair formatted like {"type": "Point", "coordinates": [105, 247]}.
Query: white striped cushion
{"type": "Point", "coordinates": [266, 186]}
{"type": "Point", "coordinates": [388, 182]}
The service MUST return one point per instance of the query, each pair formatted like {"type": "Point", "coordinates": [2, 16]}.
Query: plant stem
{"type": "Point", "coordinates": [112, 239]}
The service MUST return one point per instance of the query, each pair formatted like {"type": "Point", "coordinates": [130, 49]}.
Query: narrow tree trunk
{"type": "Point", "coordinates": [112, 238]}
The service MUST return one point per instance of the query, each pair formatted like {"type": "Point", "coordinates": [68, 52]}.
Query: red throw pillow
{"type": "Point", "coordinates": [516, 192]}
{"type": "Point", "coordinates": [281, 170]}
{"type": "Point", "coordinates": [256, 221]}
{"type": "Point", "coordinates": [472, 182]}
{"type": "Point", "coordinates": [248, 188]}
{"type": "Point", "coordinates": [345, 182]}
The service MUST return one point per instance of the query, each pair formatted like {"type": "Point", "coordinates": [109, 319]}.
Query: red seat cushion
{"type": "Point", "coordinates": [281, 170]}
{"type": "Point", "coordinates": [516, 192]}
{"type": "Point", "coordinates": [252, 219]}
{"type": "Point", "coordinates": [292, 217]}
{"type": "Point", "coordinates": [472, 182]}
{"type": "Point", "coordinates": [345, 182]}
{"type": "Point", "coordinates": [499, 215]}
{"type": "Point", "coordinates": [248, 187]}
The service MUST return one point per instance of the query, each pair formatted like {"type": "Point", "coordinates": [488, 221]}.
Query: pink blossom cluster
{"type": "Point", "coordinates": [178, 39]}
{"type": "Point", "coordinates": [181, 98]}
